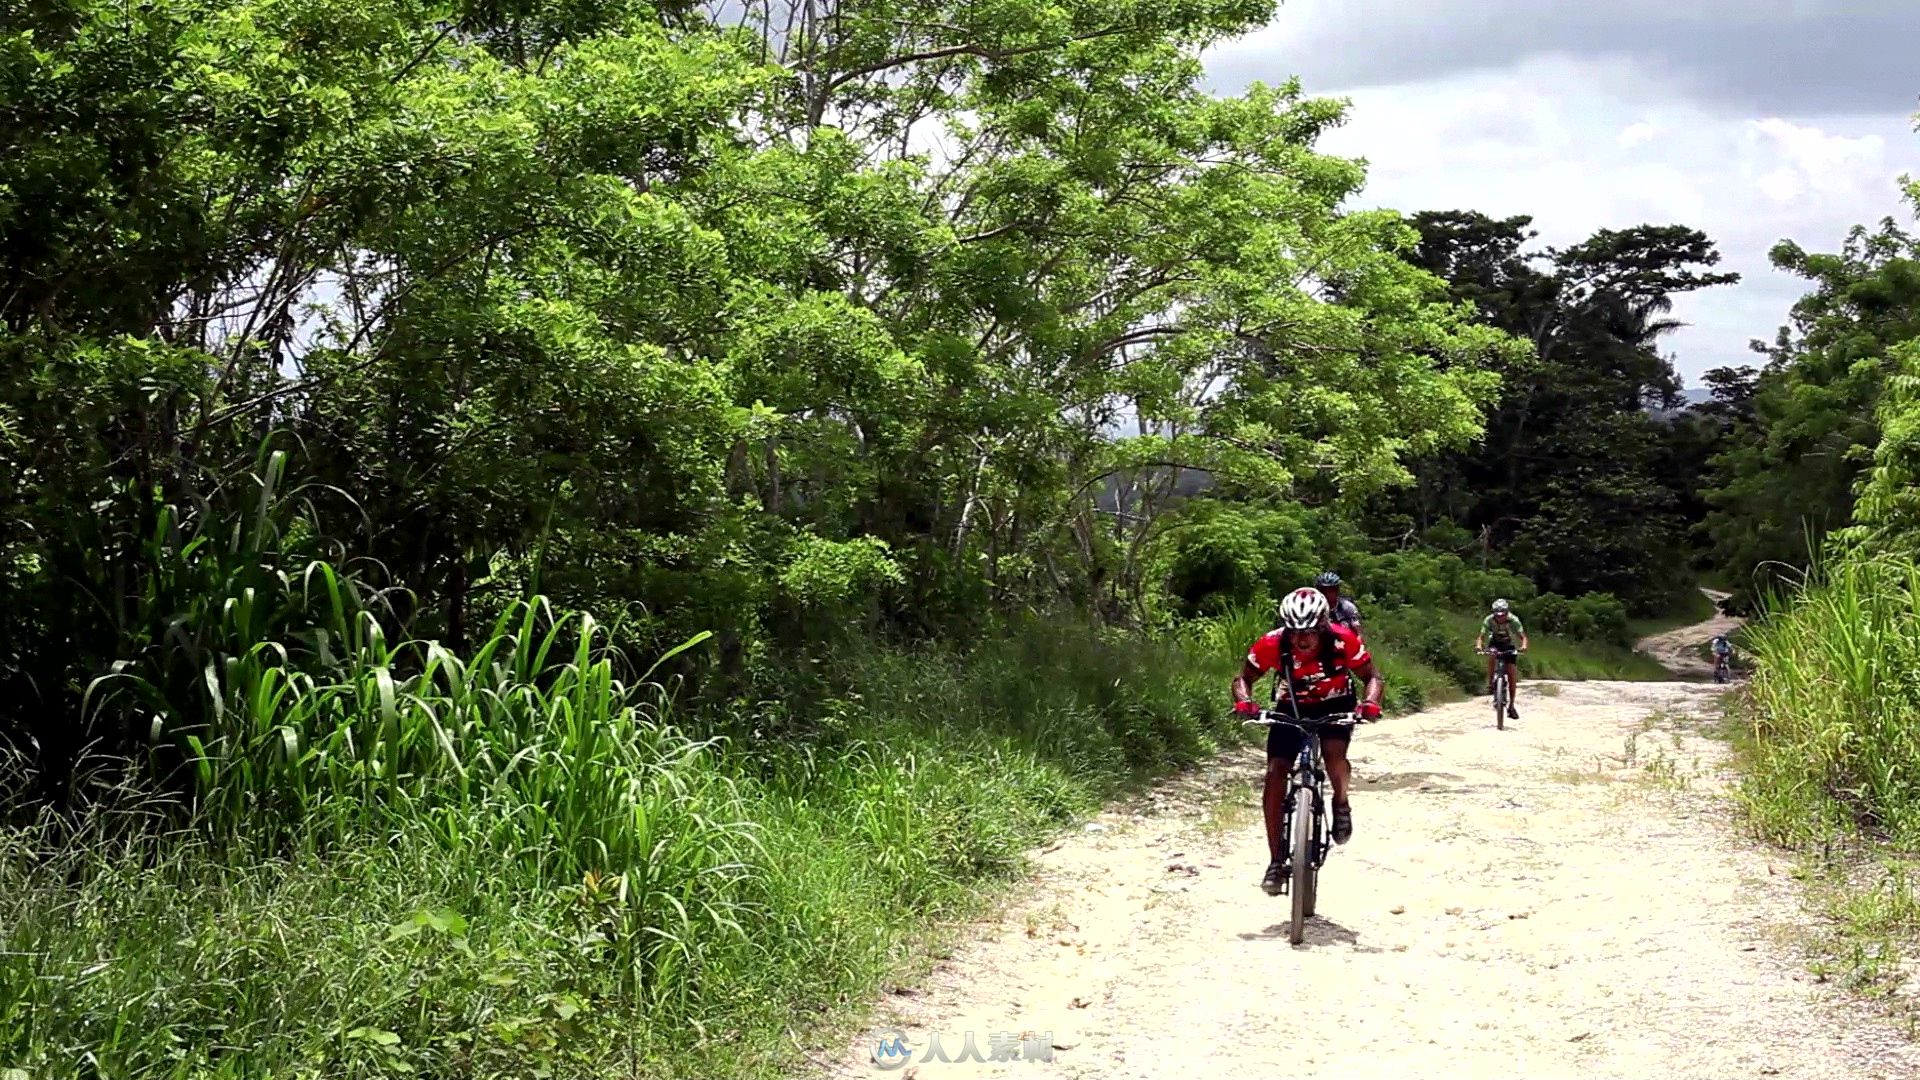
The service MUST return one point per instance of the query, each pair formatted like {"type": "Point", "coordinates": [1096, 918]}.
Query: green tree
{"type": "Point", "coordinates": [1788, 475]}
{"type": "Point", "coordinates": [1566, 487]}
{"type": "Point", "coordinates": [682, 317]}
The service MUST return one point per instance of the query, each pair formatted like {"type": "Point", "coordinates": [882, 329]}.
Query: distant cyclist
{"type": "Point", "coordinates": [1343, 611]}
{"type": "Point", "coordinates": [1498, 632]}
{"type": "Point", "coordinates": [1316, 661]}
{"type": "Point", "coordinates": [1722, 656]}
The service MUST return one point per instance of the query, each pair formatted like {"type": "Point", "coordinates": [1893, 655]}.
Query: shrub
{"type": "Point", "coordinates": [1435, 580]}
{"type": "Point", "coordinates": [1549, 613]}
{"type": "Point", "coordinates": [1599, 617]}
{"type": "Point", "coordinates": [1217, 556]}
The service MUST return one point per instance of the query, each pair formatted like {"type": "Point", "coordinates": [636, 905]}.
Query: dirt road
{"type": "Point", "coordinates": [1566, 898]}
{"type": "Point", "coordinates": [1679, 650]}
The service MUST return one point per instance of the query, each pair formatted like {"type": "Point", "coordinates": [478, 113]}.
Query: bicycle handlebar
{"type": "Point", "coordinates": [1271, 717]}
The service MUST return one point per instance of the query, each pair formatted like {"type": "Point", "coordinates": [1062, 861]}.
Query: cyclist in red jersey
{"type": "Point", "coordinates": [1315, 661]}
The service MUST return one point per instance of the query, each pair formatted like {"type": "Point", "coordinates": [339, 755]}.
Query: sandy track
{"type": "Point", "coordinates": [1562, 899]}
{"type": "Point", "coordinates": [1679, 650]}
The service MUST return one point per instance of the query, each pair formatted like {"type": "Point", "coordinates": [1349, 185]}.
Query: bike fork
{"type": "Point", "coordinates": [1309, 771]}
{"type": "Point", "coordinates": [1321, 843]}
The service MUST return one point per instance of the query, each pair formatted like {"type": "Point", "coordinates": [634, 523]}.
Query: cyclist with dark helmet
{"type": "Point", "coordinates": [1345, 612]}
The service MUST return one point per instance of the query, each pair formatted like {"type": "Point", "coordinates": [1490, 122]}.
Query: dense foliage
{"type": "Point", "coordinates": [539, 539]}
{"type": "Point", "coordinates": [1816, 517]}
{"type": "Point", "coordinates": [1578, 484]}
{"type": "Point", "coordinates": [1809, 429]}
{"type": "Point", "coordinates": [752, 324]}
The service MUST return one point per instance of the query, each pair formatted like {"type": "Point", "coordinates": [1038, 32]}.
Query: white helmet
{"type": "Point", "coordinates": [1500, 607]}
{"type": "Point", "coordinates": [1304, 609]}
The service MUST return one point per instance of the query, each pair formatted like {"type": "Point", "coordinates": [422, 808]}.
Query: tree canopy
{"type": "Point", "coordinates": [734, 319]}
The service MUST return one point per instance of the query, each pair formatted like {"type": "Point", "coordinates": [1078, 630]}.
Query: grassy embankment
{"type": "Point", "coordinates": [515, 865]}
{"type": "Point", "coordinates": [1830, 747]}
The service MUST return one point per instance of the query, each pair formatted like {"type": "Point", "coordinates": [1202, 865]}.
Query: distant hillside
{"type": "Point", "coordinates": [1691, 396]}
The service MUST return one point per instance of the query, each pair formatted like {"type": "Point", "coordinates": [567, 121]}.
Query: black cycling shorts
{"type": "Point", "coordinates": [1283, 742]}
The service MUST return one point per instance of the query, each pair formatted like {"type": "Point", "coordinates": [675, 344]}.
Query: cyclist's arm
{"type": "Point", "coordinates": [1243, 682]}
{"type": "Point", "coordinates": [1376, 687]}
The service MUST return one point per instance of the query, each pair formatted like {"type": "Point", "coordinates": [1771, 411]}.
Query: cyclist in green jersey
{"type": "Point", "coordinates": [1499, 632]}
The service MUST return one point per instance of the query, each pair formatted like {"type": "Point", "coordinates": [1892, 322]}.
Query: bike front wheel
{"type": "Point", "coordinates": [1500, 697]}
{"type": "Point", "coordinates": [1303, 871]}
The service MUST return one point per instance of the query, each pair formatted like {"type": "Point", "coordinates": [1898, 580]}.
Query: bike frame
{"type": "Point", "coordinates": [1310, 772]}
{"type": "Point", "coordinates": [1503, 660]}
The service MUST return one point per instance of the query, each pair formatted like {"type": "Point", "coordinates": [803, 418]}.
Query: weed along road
{"type": "Point", "coordinates": [1567, 898]}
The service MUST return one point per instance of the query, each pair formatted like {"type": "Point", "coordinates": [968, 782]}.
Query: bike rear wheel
{"type": "Point", "coordinates": [1303, 871]}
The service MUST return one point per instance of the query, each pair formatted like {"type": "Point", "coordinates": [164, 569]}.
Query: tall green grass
{"type": "Point", "coordinates": [1831, 757]}
{"type": "Point", "coordinates": [513, 864]}
{"type": "Point", "coordinates": [378, 858]}
{"type": "Point", "coordinates": [1835, 713]}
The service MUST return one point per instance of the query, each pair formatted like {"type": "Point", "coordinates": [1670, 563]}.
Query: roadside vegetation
{"type": "Point", "coordinates": [1824, 546]}
{"type": "Point", "coordinates": [557, 540]}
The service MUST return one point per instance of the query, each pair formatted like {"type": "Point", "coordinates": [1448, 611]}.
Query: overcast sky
{"type": "Point", "coordinates": [1754, 120]}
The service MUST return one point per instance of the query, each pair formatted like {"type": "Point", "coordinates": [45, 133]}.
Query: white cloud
{"type": "Point", "coordinates": [1741, 57]}
{"type": "Point", "coordinates": [1582, 144]}
{"type": "Point", "coordinates": [1636, 133]}
{"type": "Point", "coordinates": [1818, 161]}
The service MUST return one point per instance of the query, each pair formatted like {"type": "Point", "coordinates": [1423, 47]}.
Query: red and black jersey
{"type": "Point", "coordinates": [1321, 674]}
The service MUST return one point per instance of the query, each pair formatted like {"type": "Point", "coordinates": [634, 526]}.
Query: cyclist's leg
{"type": "Point", "coordinates": [1333, 744]}
{"type": "Point", "coordinates": [1493, 657]}
{"type": "Point", "coordinates": [1283, 745]}
{"type": "Point", "coordinates": [1333, 748]}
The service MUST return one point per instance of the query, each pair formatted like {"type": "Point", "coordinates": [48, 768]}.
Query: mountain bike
{"type": "Point", "coordinates": [1502, 684]}
{"type": "Point", "coordinates": [1722, 668]}
{"type": "Point", "coordinates": [1305, 821]}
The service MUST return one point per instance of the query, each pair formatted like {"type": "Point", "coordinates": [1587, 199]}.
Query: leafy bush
{"type": "Point", "coordinates": [1217, 555]}
{"type": "Point", "coordinates": [1549, 613]}
{"type": "Point", "coordinates": [1434, 580]}
{"type": "Point", "coordinates": [1598, 617]}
